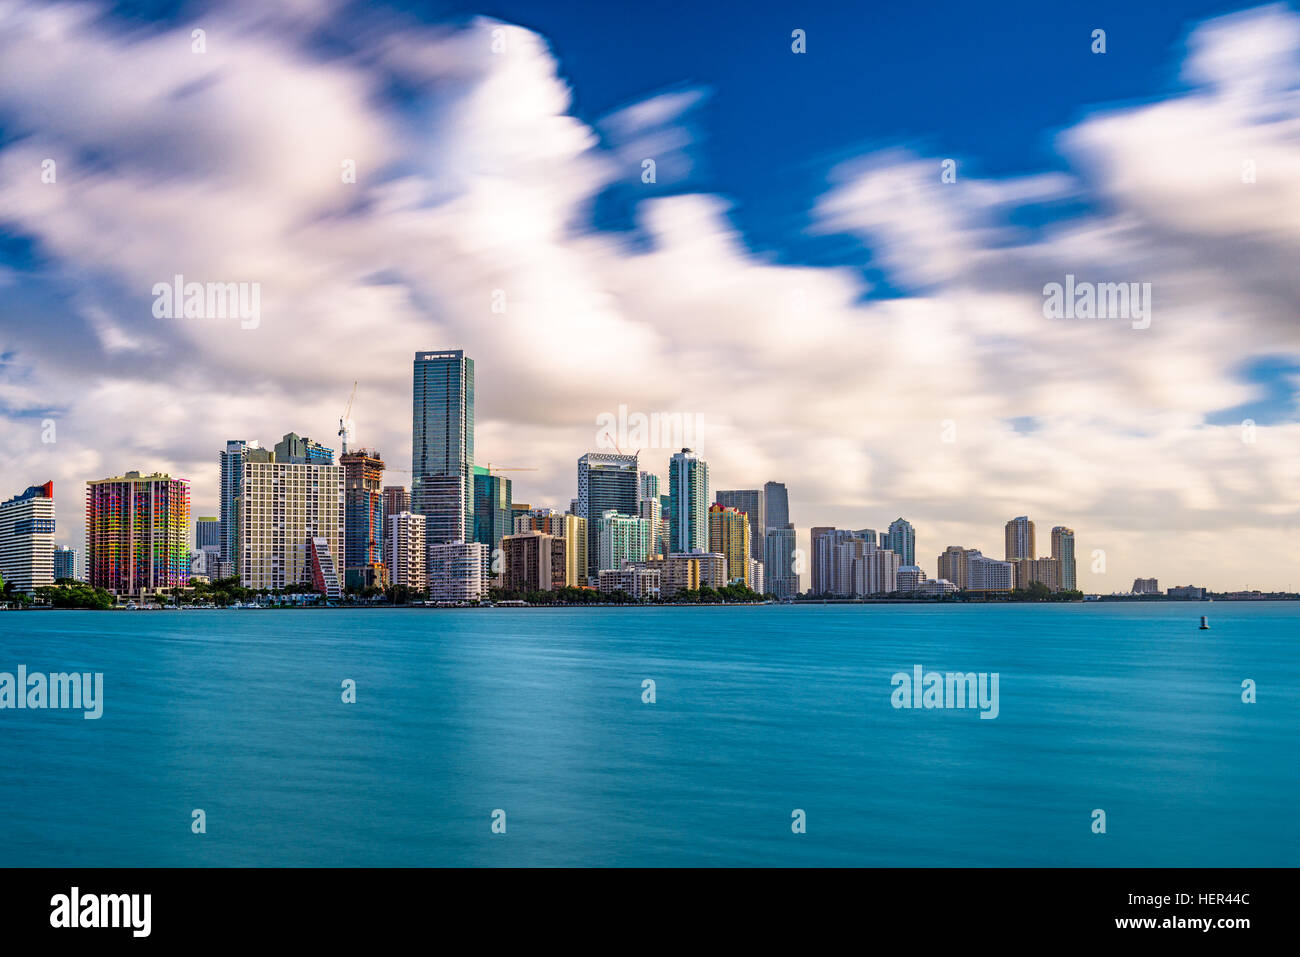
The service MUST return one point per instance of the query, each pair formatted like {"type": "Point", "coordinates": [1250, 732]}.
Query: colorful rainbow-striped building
{"type": "Point", "coordinates": [137, 533]}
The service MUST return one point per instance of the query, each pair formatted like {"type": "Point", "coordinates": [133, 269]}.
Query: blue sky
{"type": "Point", "coordinates": [798, 276]}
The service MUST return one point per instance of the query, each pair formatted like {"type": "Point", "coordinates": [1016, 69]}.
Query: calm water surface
{"type": "Point", "coordinates": [759, 711]}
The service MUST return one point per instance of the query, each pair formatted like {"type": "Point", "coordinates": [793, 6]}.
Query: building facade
{"type": "Point", "coordinates": [729, 536]}
{"type": "Point", "coordinates": [442, 444]}
{"type": "Point", "coordinates": [749, 501]}
{"type": "Point", "coordinates": [455, 571]}
{"type": "Point", "coordinates": [688, 498]}
{"type": "Point", "coordinates": [901, 540]}
{"type": "Point", "coordinates": [640, 583]}
{"type": "Point", "coordinates": [137, 534]}
{"type": "Point", "coordinates": [27, 539]}
{"type": "Point", "coordinates": [532, 561]}
{"type": "Point", "coordinates": [493, 512]}
{"type": "Point", "coordinates": [1020, 539]}
{"type": "Point", "coordinates": [363, 519]}
{"type": "Point", "coordinates": [1063, 552]}
{"type": "Point", "coordinates": [606, 481]}
{"type": "Point", "coordinates": [231, 496]}
{"type": "Point", "coordinates": [621, 539]}
{"type": "Point", "coordinates": [65, 562]}
{"type": "Point", "coordinates": [406, 552]}
{"type": "Point", "coordinates": [292, 521]}
{"type": "Point", "coordinates": [778, 564]}
{"type": "Point", "coordinates": [689, 571]}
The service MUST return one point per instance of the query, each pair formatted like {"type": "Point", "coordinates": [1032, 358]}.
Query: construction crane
{"type": "Point", "coordinates": [345, 418]}
{"type": "Point", "coordinates": [489, 468]}
{"type": "Point", "coordinates": [510, 468]}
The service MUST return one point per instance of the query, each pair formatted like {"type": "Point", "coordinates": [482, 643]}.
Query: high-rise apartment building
{"type": "Point", "coordinates": [607, 481]}
{"type": "Point", "coordinates": [65, 562]}
{"type": "Point", "coordinates": [232, 478]}
{"type": "Point", "coordinates": [137, 534]}
{"type": "Point", "coordinates": [405, 551]}
{"type": "Point", "coordinates": [493, 512]}
{"type": "Point", "coordinates": [1046, 571]}
{"type": "Point", "coordinates": [1063, 552]}
{"type": "Point", "coordinates": [837, 554]}
{"type": "Point", "coordinates": [688, 497]}
{"type": "Point", "coordinates": [442, 444]}
{"type": "Point", "coordinates": [27, 539]}
{"type": "Point", "coordinates": [1020, 539]}
{"type": "Point", "coordinates": [1146, 586]}
{"type": "Point", "coordinates": [778, 565]}
{"type": "Point", "coordinates": [456, 571]}
{"type": "Point", "coordinates": [207, 532]}
{"type": "Point", "coordinates": [569, 527]}
{"type": "Point", "coordinates": [291, 525]}
{"type": "Point", "coordinates": [729, 536]}
{"type": "Point", "coordinates": [621, 539]}
{"type": "Point", "coordinates": [532, 561]}
{"type": "Point", "coordinates": [776, 505]}
{"type": "Point", "coordinates": [749, 501]}
{"type": "Point", "coordinates": [984, 574]}
{"type": "Point", "coordinates": [363, 518]}
{"type": "Point", "coordinates": [901, 540]}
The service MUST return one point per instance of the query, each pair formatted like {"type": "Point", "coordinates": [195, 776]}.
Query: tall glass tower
{"type": "Point", "coordinates": [688, 495]}
{"type": "Point", "coordinates": [442, 445]}
{"type": "Point", "coordinates": [606, 480]}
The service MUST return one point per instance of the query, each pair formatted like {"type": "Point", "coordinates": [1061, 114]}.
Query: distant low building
{"type": "Point", "coordinates": [1185, 591]}
{"type": "Point", "coordinates": [640, 583]}
{"type": "Point", "coordinates": [689, 571]}
{"type": "Point", "coordinates": [910, 578]}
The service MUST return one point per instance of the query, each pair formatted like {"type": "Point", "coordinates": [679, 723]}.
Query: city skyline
{"type": "Point", "coordinates": [730, 290]}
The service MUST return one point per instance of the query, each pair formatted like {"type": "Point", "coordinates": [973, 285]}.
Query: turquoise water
{"type": "Point", "coordinates": [759, 711]}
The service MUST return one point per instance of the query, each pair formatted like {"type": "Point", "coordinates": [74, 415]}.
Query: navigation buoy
{"type": "Point", "coordinates": [1205, 623]}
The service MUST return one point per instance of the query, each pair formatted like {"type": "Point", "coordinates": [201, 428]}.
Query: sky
{"type": "Point", "coordinates": [800, 279]}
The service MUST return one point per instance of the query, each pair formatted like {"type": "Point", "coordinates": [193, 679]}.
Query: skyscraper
{"type": "Point", "coordinates": [621, 538]}
{"type": "Point", "coordinates": [688, 496]}
{"type": "Point", "coordinates": [778, 566]}
{"type": "Point", "coordinates": [493, 515]}
{"type": "Point", "coordinates": [442, 444]}
{"type": "Point", "coordinates": [902, 541]}
{"type": "Point", "coordinates": [532, 561]}
{"type": "Point", "coordinates": [1063, 552]}
{"type": "Point", "coordinates": [776, 505]}
{"type": "Point", "coordinates": [232, 479]}
{"type": "Point", "coordinates": [207, 532]}
{"type": "Point", "coordinates": [27, 538]}
{"type": "Point", "coordinates": [405, 553]}
{"type": "Point", "coordinates": [65, 562]}
{"type": "Point", "coordinates": [363, 518]}
{"type": "Point", "coordinates": [137, 533]}
{"type": "Point", "coordinates": [607, 481]}
{"type": "Point", "coordinates": [567, 526]}
{"type": "Point", "coordinates": [291, 528]}
{"type": "Point", "coordinates": [1020, 539]}
{"type": "Point", "coordinates": [749, 501]}
{"type": "Point", "coordinates": [729, 536]}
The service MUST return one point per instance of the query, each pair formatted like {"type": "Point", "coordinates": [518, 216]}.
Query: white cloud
{"type": "Point", "coordinates": [225, 166]}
